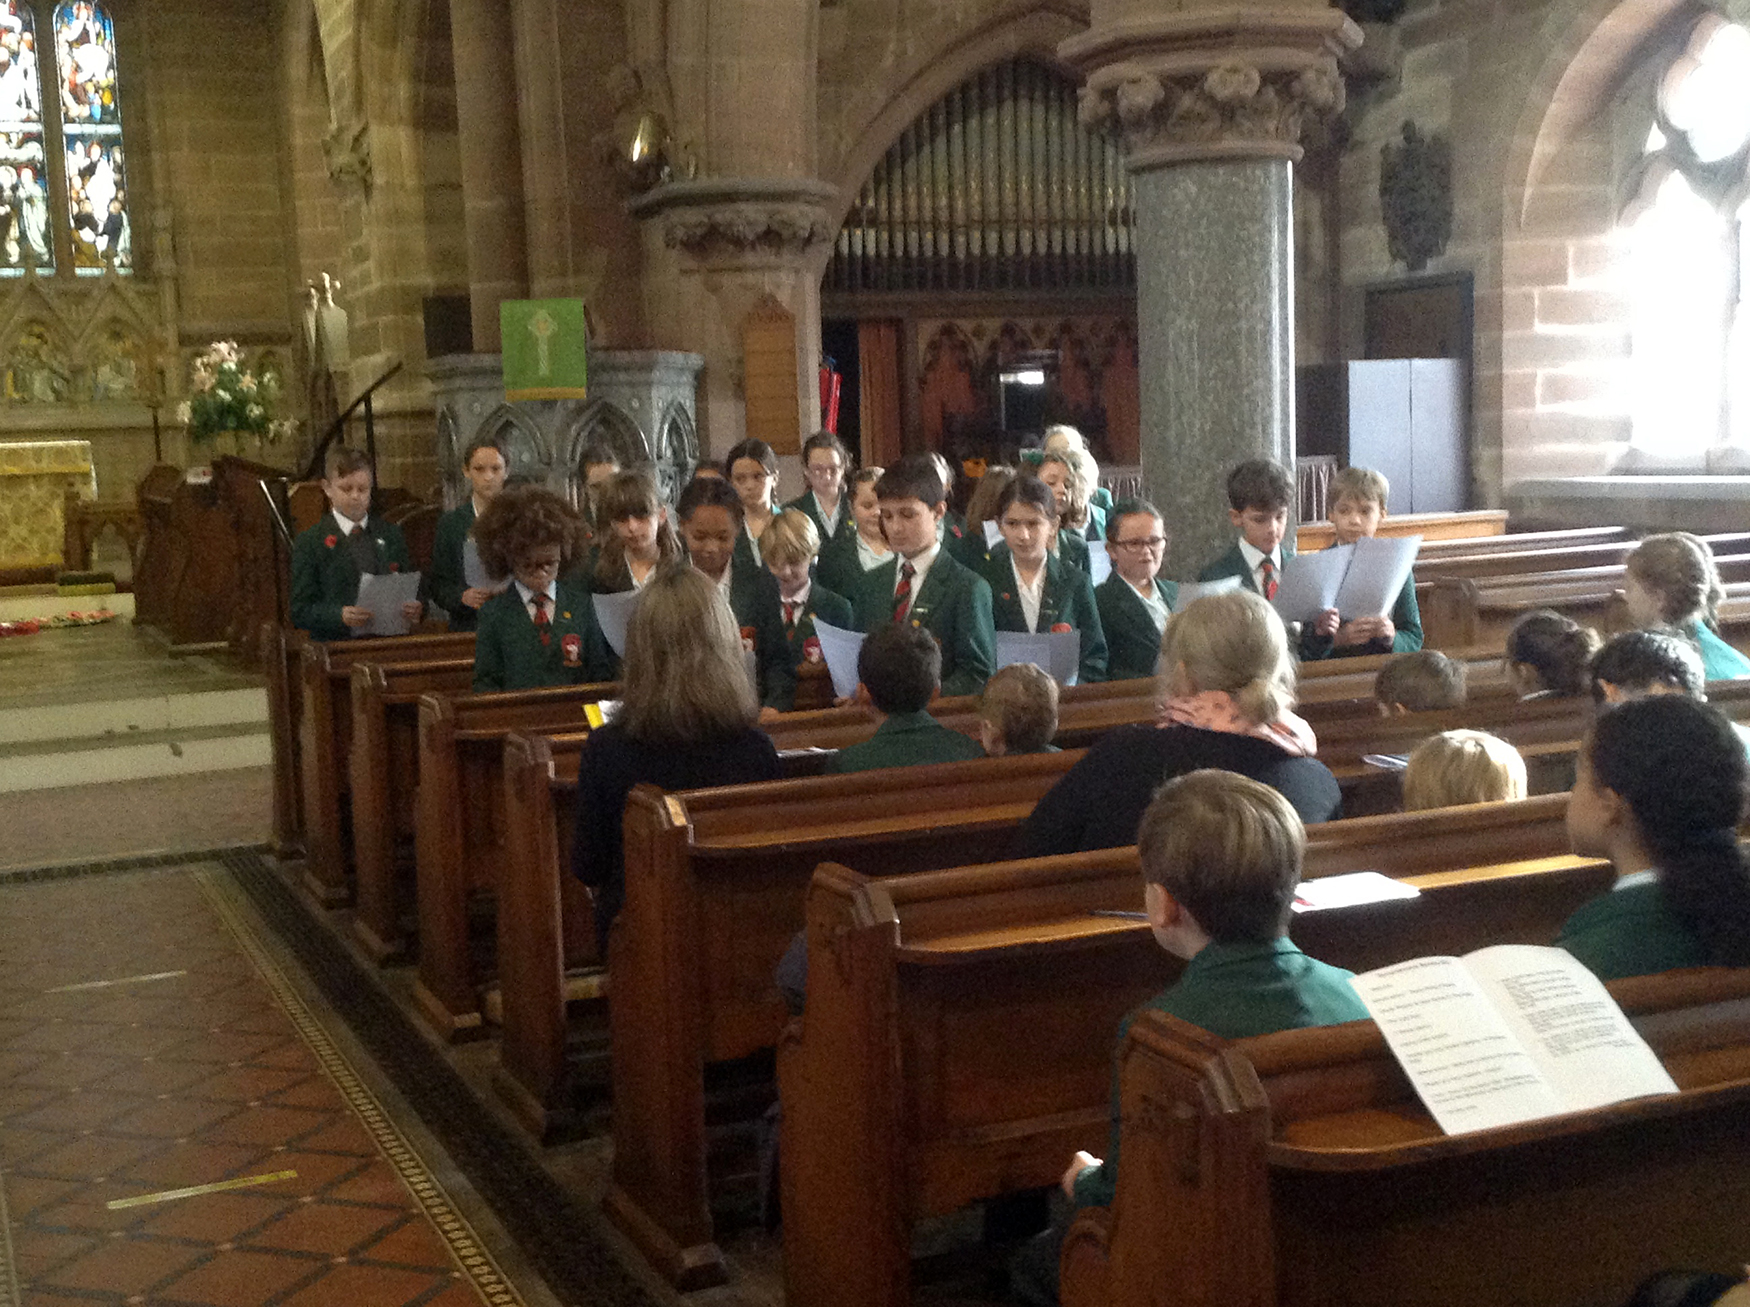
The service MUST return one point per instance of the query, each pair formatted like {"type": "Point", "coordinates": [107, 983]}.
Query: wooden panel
{"type": "Point", "coordinates": [768, 349]}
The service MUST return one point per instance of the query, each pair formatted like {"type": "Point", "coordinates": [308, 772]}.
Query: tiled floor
{"type": "Point", "coordinates": [151, 1043]}
{"type": "Point", "coordinates": [162, 814]}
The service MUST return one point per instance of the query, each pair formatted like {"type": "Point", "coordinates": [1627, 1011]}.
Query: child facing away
{"type": "Point", "coordinates": [484, 467]}
{"type": "Point", "coordinates": [1017, 713]}
{"type": "Point", "coordinates": [1672, 581]}
{"type": "Point", "coordinates": [1259, 492]}
{"type": "Point", "coordinates": [1458, 767]}
{"type": "Point", "coordinates": [345, 544]}
{"type": "Point", "coordinates": [1659, 790]}
{"type": "Point", "coordinates": [1423, 681]}
{"type": "Point", "coordinates": [541, 629]}
{"type": "Point", "coordinates": [1221, 856]}
{"type": "Point", "coordinates": [923, 585]}
{"type": "Point", "coordinates": [899, 670]}
{"type": "Point", "coordinates": [1548, 655]}
{"type": "Point", "coordinates": [1635, 664]}
{"type": "Point", "coordinates": [789, 547]}
{"type": "Point", "coordinates": [1358, 499]}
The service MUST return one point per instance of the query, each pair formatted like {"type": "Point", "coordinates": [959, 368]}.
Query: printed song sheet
{"type": "Point", "coordinates": [840, 649]}
{"type": "Point", "coordinates": [1191, 591]}
{"type": "Point", "coordinates": [474, 575]}
{"type": "Point", "coordinates": [1099, 562]}
{"type": "Point", "coordinates": [613, 613]}
{"type": "Point", "coordinates": [1311, 582]}
{"type": "Point", "coordinates": [1056, 653]}
{"type": "Point", "coordinates": [384, 593]}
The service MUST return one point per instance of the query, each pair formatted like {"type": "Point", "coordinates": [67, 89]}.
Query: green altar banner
{"type": "Point", "coordinates": [545, 349]}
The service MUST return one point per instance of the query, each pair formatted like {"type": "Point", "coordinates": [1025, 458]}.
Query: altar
{"type": "Point", "coordinates": [35, 477]}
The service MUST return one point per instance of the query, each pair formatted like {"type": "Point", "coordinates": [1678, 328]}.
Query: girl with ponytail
{"type": "Point", "coordinates": [1673, 581]}
{"type": "Point", "coordinates": [1659, 790]}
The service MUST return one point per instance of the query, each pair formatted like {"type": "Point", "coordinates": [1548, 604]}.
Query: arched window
{"type": "Point", "coordinates": [1686, 223]}
{"type": "Point", "coordinates": [63, 179]}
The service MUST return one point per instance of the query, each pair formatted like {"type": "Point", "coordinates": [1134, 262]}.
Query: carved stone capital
{"type": "Point", "coordinates": [1222, 84]}
{"type": "Point", "coordinates": [740, 217]}
{"type": "Point", "coordinates": [347, 150]}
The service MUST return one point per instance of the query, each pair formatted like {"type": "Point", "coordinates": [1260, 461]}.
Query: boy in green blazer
{"type": "Point", "coordinates": [1221, 855]}
{"type": "Point", "coordinates": [898, 673]}
{"type": "Point", "coordinates": [447, 584]}
{"type": "Point", "coordinates": [1259, 492]}
{"type": "Point", "coordinates": [1134, 602]}
{"type": "Point", "coordinates": [345, 544]}
{"type": "Point", "coordinates": [1358, 497]}
{"type": "Point", "coordinates": [540, 630]}
{"type": "Point", "coordinates": [1034, 592]}
{"type": "Point", "coordinates": [789, 546]}
{"type": "Point", "coordinates": [825, 460]}
{"type": "Point", "coordinates": [924, 586]}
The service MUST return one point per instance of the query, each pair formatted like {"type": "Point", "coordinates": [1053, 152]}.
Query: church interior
{"type": "Point", "coordinates": [300, 1001]}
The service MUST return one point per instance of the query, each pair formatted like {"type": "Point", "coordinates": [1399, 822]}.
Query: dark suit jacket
{"type": "Point", "coordinates": [1405, 616]}
{"type": "Point", "coordinates": [807, 503]}
{"type": "Point", "coordinates": [953, 604]}
{"type": "Point", "coordinates": [325, 578]}
{"type": "Point", "coordinates": [445, 582]}
{"type": "Point", "coordinates": [840, 567]}
{"type": "Point", "coordinates": [753, 596]}
{"type": "Point", "coordinates": [509, 655]}
{"type": "Point", "coordinates": [1133, 645]}
{"type": "Point", "coordinates": [1233, 563]}
{"type": "Point", "coordinates": [1068, 597]}
{"type": "Point", "coordinates": [822, 605]}
{"type": "Point", "coordinates": [906, 740]}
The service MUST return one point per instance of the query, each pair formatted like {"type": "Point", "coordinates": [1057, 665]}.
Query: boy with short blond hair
{"type": "Point", "coordinates": [1358, 498]}
{"type": "Point", "coordinates": [1017, 713]}
{"type": "Point", "coordinates": [788, 547]}
{"type": "Point", "coordinates": [1259, 492]}
{"type": "Point", "coordinates": [1424, 681]}
{"type": "Point", "coordinates": [1221, 857]}
{"type": "Point", "coordinates": [1459, 767]}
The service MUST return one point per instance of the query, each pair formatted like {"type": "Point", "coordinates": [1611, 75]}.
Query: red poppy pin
{"type": "Point", "coordinates": [1061, 628]}
{"type": "Point", "coordinates": [1007, 595]}
{"type": "Point", "coordinates": [573, 647]}
{"type": "Point", "coordinates": [331, 541]}
{"type": "Point", "coordinates": [747, 635]}
{"type": "Point", "coordinates": [394, 567]}
{"type": "Point", "coordinates": [811, 650]}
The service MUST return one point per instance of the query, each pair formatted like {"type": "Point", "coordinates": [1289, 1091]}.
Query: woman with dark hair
{"type": "Point", "coordinates": [1549, 655]}
{"type": "Point", "coordinates": [484, 467]}
{"type": "Point", "coordinates": [686, 722]}
{"type": "Point", "coordinates": [1659, 791]}
{"type": "Point", "coordinates": [752, 468]}
{"type": "Point", "coordinates": [1032, 591]}
{"type": "Point", "coordinates": [639, 540]}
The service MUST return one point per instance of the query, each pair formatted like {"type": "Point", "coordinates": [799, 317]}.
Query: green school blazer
{"type": "Point", "coordinates": [1133, 646]}
{"type": "Point", "coordinates": [906, 740]}
{"type": "Point", "coordinates": [325, 578]}
{"type": "Point", "coordinates": [953, 604]}
{"type": "Point", "coordinates": [807, 503]}
{"type": "Point", "coordinates": [1630, 932]}
{"type": "Point", "coordinates": [823, 605]}
{"type": "Point", "coordinates": [1233, 563]}
{"type": "Point", "coordinates": [509, 655]}
{"type": "Point", "coordinates": [1067, 599]}
{"type": "Point", "coordinates": [753, 597]}
{"type": "Point", "coordinates": [445, 582]}
{"type": "Point", "coordinates": [1406, 616]}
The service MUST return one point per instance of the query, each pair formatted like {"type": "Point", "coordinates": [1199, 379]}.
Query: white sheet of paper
{"type": "Point", "coordinates": [384, 593]}
{"type": "Point", "coordinates": [840, 649]}
{"type": "Point", "coordinates": [1099, 561]}
{"type": "Point", "coordinates": [1191, 591]}
{"type": "Point", "coordinates": [613, 613]}
{"type": "Point", "coordinates": [993, 535]}
{"type": "Point", "coordinates": [1310, 583]}
{"type": "Point", "coordinates": [474, 575]}
{"type": "Point", "coordinates": [752, 658]}
{"type": "Point", "coordinates": [1350, 890]}
{"type": "Point", "coordinates": [1376, 575]}
{"type": "Point", "coordinates": [1058, 654]}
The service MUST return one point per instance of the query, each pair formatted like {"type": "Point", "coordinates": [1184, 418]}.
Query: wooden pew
{"type": "Point", "coordinates": [385, 775]}
{"type": "Point", "coordinates": [282, 655]}
{"type": "Point", "coordinates": [325, 744]}
{"type": "Point", "coordinates": [1236, 1155]}
{"type": "Point", "coordinates": [905, 1093]}
{"type": "Point", "coordinates": [1430, 526]}
{"type": "Point", "coordinates": [1500, 562]}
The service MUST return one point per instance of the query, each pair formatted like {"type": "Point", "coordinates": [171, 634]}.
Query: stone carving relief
{"type": "Point", "coordinates": [525, 449]}
{"type": "Point", "coordinates": [115, 365]}
{"type": "Point", "coordinates": [347, 150]}
{"type": "Point", "coordinates": [778, 228]}
{"type": "Point", "coordinates": [1164, 116]}
{"type": "Point", "coordinates": [37, 370]}
{"type": "Point", "coordinates": [1415, 197]}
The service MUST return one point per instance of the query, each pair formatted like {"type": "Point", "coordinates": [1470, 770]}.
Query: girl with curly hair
{"type": "Point", "coordinates": [539, 630]}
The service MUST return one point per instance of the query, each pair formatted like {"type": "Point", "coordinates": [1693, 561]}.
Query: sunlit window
{"type": "Point", "coordinates": [1686, 225]}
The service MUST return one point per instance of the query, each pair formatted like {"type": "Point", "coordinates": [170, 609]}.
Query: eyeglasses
{"type": "Point", "coordinates": [1153, 542]}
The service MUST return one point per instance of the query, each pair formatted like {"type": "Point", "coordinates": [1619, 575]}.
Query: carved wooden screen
{"type": "Point", "coordinates": [997, 187]}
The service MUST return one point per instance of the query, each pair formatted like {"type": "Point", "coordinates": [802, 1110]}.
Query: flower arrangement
{"type": "Point", "coordinates": [226, 396]}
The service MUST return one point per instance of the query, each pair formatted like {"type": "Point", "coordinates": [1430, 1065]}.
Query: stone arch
{"type": "Point", "coordinates": [608, 424]}
{"type": "Point", "coordinates": [526, 454]}
{"type": "Point", "coordinates": [677, 450]}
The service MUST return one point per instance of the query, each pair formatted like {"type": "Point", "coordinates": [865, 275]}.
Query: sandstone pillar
{"type": "Point", "coordinates": [1210, 101]}
{"type": "Point", "coordinates": [491, 155]}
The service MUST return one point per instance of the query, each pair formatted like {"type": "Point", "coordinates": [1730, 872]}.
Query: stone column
{"type": "Point", "coordinates": [1210, 102]}
{"type": "Point", "coordinates": [492, 169]}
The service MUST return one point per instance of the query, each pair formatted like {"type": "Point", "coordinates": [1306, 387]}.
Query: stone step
{"type": "Point", "coordinates": [117, 721]}
{"type": "Point", "coordinates": [91, 760]}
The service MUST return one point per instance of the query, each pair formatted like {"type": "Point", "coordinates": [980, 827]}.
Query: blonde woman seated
{"type": "Point", "coordinates": [1227, 686]}
{"type": "Point", "coordinates": [1458, 767]}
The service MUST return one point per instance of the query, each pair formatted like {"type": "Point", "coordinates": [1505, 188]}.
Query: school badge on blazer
{"type": "Point", "coordinates": [747, 636]}
{"type": "Point", "coordinates": [573, 647]}
{"type": "Point", "coordinates": [811, 650]}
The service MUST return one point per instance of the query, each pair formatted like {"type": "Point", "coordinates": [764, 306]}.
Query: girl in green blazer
{"type": "Point", "coordinates": [539, 630]}
{"type": "Point", "coordinates": [447, 584]}
{"type": "Point", "coordinates": [1027, 516]}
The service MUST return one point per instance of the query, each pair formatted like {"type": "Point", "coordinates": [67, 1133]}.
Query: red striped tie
{"type": "Point", "coordinates": [541, 622]}
{"type": "Point", "coordinates": [902, 595]}
{"type": "Point", "coordinates": [1267, 571]}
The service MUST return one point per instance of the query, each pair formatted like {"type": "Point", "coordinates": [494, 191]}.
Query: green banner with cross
{"type": "Point", "coordinates": [545, 344]}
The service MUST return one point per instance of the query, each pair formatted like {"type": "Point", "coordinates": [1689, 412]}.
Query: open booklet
{"type": "Point", "coordinates": [384, 593]}
{"type": "Point", "coordinates": [1359, 580]}
{"type": "Point", "coordinates": [1509, 1034]}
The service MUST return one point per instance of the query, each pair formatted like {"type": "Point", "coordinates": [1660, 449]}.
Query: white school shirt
{"type": "Point", "coordinates": [1151, 600]}
{"type": "Point", "coordinates": [833, 518]}
{"type": "Point", "coordinates": [1635, 879]}
{"type": "Point", "coordinates": [868, 557]}
{"type": "Point", "coordinates": [801, 601]}
{"type": "Point", "coordinates": [1255, 560]}
{"type": "Point", "coordinates": [1031, 596]}
{"type": "Point", "coordinates": [920, 569]}
{"type": "Point", "coordinates": [346, 523]}
{"type": "Point", "coordinates": [528, 597]}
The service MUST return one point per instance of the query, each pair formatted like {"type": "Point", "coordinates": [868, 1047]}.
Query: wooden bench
{"type": "Point", "coordinates": [905, 1093]}
{"type": "Point", "coordinates": [1499, 562]}
{"type": "Point", "coordinates": [385, 778]}
{"type": "Point", "coordinates": [1238, 1158]}
{"type": "Point", "coordinates": [282, 652]}
{"type": "Point", "coordinates": [1430, 526]}
{"type": "Point", "coordinates": [325, 744]}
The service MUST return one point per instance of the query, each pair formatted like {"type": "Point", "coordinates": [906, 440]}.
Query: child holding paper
{"type": "Point", "coordinates": [789, 546]}
{"type": "Point", "coordinates": [640, 540]}
{"type": "Point", "coordinates": [1034, 592]}
{"type": "Point", "coordinates": [1259, 492]}
{"type": "Point", "coordinates": [344, 545]}
{"type": "Point", "coordinates": [1221, 856]}
{"type": "Point", "coordinates": [1358, 499]}
{"type": "Point", "coordinates": [1659, 790]}
{"type": "Point", "coordinates": [484, 466]}
{"type": "Point", "coordinates": [899, 670]}
{"type": "Point", "coordinates": [541, 629]}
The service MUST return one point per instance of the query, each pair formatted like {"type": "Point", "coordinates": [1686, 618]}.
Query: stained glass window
{"type": "Point", "coordinates": [91, 135]}
{"type": "Point", "coordinates": [25, 236]}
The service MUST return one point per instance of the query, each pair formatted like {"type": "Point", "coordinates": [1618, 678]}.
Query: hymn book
{"type": "Point", "coordinates": [1509, 1034]}
{"type": "Point", "coordinates": [1359, 580]}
